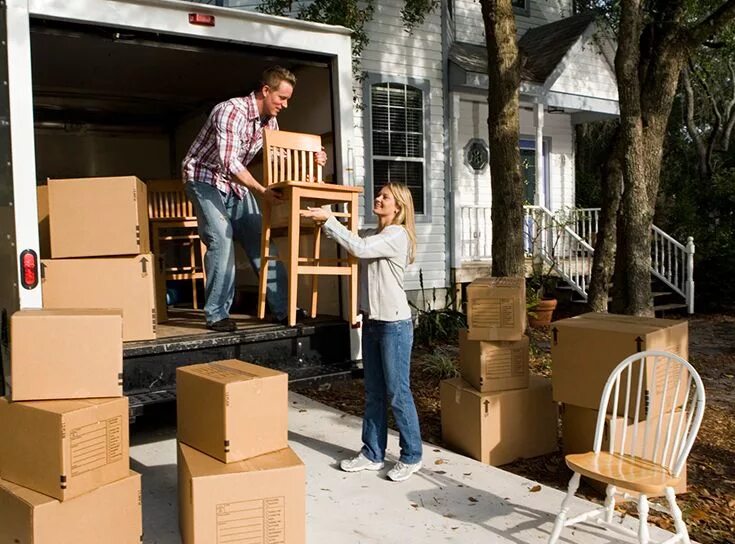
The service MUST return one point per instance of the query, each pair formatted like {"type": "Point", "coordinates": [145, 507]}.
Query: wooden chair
{"type": "Point", "coordinates": [173, 221]}
{"type": "Point", "coordinates": [649, 466]}
{"type": "Point", "coordinates": [289, 167]}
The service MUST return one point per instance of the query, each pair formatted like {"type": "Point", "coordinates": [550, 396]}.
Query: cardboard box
{"type": "Point", "coordinates": [65, 354]}
{"type": "Point", "coordinates": [64, 448]}
{"type": "Point", "coordinates": [44, 237]}
{"type": "Point", "coordinates": [493, 366]}
{"type": "Point", "coordinates": [262, 499]}
{"type": "Point", "coordinates": [128, 283]}
{"type": "Point", "coordinates": [232, 410]}
{"type": "Point", "coordinates": [587, 348]}
{"type": "Point", "coordinates": [98, 217]}
{"type": "Point", "coordinates": [500, 427]}
{"type": "Point", "coordinates": [110, 514]}
{"type": "Point", "coordinates": [578, 436]}
{"type": "Point", "coordinates": [496, 309]}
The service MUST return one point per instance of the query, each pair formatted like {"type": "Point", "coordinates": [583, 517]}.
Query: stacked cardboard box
{"type": "Point", "coordinates": [495, 413]}
{"type": "Point", "coordinates": [64, 463]}
{"type": "Point", "coordinates": [100, 250]}
{"type": "Point", "coordinates": [586, 349]}
{"type": "Point", "coordinates": [238, 479]}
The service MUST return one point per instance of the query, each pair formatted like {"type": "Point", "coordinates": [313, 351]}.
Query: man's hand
{"type": "Point", "coordinates": [321, 157]}
{"type": "Point", "coordinates": [272, 197]}
{"type": "Point", "coordinates": [319, 215]}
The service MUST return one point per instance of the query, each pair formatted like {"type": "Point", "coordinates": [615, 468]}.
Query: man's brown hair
{"type": "Point", "coordinates": [273, 77]}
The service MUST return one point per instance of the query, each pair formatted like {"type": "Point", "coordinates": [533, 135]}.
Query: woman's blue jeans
{"type": "Point", "coordinates": [386, 359]}
{"type": "Point", "coordinates": [223, 219]}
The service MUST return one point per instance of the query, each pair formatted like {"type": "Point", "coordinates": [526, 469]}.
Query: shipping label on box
{"type": "Point", "coordinates": [65, 354]}
{"type": "Point", "coordinates": [127, 283]}
{"type": "Point", "coordinates": [494, 366]}
{"type": "Point", "coordinates": [232, 410]}
{"type": "Point", "coordinates": [64, 448]}
{"type": "Point", "coordinates": [496, 309]}
{"type": "Point", "coordinates": [262, 499]}
{"type": "Point", "coordinates": [111, 514]}
{"type": "Point", "coordinates": [499, 427]}
{"type": "Point", "coordinates": [578, 435]}
{"type": "Point", "coordinates": [586, 349]}
{"type": "Point", "coordinates": [98, 217]}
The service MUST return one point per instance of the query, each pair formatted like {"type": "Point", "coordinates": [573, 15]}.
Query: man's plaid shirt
{"type": "Point", "coordinates": [228, 141]}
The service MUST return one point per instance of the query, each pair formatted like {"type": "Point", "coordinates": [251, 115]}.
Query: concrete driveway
{"type": "Point", "coordinates": [452, 499]}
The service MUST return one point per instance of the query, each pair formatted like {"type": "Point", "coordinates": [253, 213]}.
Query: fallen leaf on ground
{"type": "Point", "coordinates": [535, 489]}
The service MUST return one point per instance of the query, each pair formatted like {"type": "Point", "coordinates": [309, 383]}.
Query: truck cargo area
{"type": "Point", "coordinates": [118, 102]}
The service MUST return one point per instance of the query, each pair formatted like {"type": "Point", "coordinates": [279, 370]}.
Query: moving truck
{"type": "Point", "coordinates": [104, 88]}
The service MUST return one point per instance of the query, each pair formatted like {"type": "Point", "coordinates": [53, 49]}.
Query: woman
{"type": "Point", "coordinates": [387, 336]}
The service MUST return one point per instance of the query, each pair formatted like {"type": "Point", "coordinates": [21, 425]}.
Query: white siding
{"type": "Point", "coordinates": [469, 26]}
{"type": "Point", "coordinates": [394, 53]}
{"type": "Point", "coordinates": [587, 73]}
{"type": "Point", "coordinates": [474, 189]}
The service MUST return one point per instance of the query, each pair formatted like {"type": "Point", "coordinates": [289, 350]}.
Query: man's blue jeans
{"type": "Point", "coordinates": [386, 359]}
{"type": "Point", "coordinates": [224, 218]}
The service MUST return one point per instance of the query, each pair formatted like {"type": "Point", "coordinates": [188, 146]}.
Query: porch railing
{"type": "Point", "coordinates": [567, 239]}
{"type": "Point", "coordinates": [553, 244]}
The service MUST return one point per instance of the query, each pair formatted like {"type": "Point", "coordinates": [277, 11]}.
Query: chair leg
{"type": "Point", "coordinates": [315, 277]}
{"type": "Point", "coordinates": [643, 519]}
{"type": "Point", "coordinates": [681, 528]}
{"type": "Point", "coordinates": [609, 503]}
{"type": "Point", "coordinates": [293, 256]}
{"type": "Point", "coordinates": [562, 516]}
{"type": "Point", "coordinates": [265, 241]}
{"type": "Point", "coordinates": [354, 287]}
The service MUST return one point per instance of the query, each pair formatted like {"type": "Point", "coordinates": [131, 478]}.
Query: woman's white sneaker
{"type": "Point", "coordinates": [356, 464]}
{"type": "Point", "coordinates": [403, 471]}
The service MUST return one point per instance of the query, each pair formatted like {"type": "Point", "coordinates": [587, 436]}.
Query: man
{"type": "Point", "coordinates": [224, 192]}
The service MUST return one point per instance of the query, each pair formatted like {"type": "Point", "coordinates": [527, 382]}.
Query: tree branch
{"type": "Point", "coordinates": [689, 121]}
{"type": "Point", "coordinates": [730, 116]}
{"type": "Point", "coordinates": [711, 24]}
{"type": "Point", "coordinates": [708, 91]}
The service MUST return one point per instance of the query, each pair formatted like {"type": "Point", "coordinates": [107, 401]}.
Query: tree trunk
{"type": "Point", "coordinates": [504, 134]}
{"type": "Point", "coordinates": [648, 64]}
{"type": "Point", "coordinates": [603, 263]}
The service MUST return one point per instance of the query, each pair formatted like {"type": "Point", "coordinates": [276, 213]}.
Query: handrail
{"type": "Point", "coordinates": [671, 261]}
{"type": "Point", "coordinates": [559, 247]}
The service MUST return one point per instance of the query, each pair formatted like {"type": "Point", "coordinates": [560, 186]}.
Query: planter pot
{"type": "Point", "coordinates": [542, 313]}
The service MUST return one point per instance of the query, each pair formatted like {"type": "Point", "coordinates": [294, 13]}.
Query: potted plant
{"type": "Point", "coordinates": [540, 288]}
{"type": "Point", "coordinates": [544, 234]}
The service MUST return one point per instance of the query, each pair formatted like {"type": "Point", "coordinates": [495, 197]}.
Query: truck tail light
{"type": "Point", "coordinates": [28, 269]}
{"type": "Point", "coordinates": [201, 19]}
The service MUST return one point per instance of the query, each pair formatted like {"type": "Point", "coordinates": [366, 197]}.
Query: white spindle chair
{"type": "Point", "coordinates": [649, 466]}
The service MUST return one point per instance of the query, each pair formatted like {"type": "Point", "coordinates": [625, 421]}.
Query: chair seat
{"type": "Point", "coordinates": [625, 471]}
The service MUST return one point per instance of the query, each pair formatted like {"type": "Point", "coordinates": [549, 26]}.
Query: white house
{"type": "Point", "coordinates": [423, 120]}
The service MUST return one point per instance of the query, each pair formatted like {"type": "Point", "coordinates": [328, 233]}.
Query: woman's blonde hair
{"type": "Point", "coordinates": [405, 216]}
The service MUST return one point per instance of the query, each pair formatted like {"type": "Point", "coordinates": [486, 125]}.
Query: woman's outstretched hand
{"type": "Point", "coordinates": [319, 215]}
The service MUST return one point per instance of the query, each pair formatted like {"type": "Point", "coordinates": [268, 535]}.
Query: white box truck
{"type": "Point", "coordinates": [97, 88]}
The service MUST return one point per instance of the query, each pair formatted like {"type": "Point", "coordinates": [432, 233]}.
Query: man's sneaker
{"type": "Point", "coordinates": [223, 325]}
{"type": "Point", "coordinates": [356, 464]}
{"type": "Point", "coordinates": [403, 471]}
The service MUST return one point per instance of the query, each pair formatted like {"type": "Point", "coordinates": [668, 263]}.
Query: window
{"type": "Point", "coordinates": [522, 7]}
{"type": "Point", "coordinates": [398, 139]}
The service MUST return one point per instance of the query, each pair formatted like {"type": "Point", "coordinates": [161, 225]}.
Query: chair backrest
{"type": "Point", "coordinates": [167, 200]}
{"type": "Point", "coordinates": [665, 419]}
{"type": "Point", "coordinates": [290, 156]}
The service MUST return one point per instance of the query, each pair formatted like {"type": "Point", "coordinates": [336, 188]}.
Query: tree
{"type": "Point", "coordinates": [708, 86]}
{"type": "Point", "coordinates": [504, 80]}
{"type": "Point", "coordinates": [503, 101]}
{"type": "Point", "coordinates": [655, 39]}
